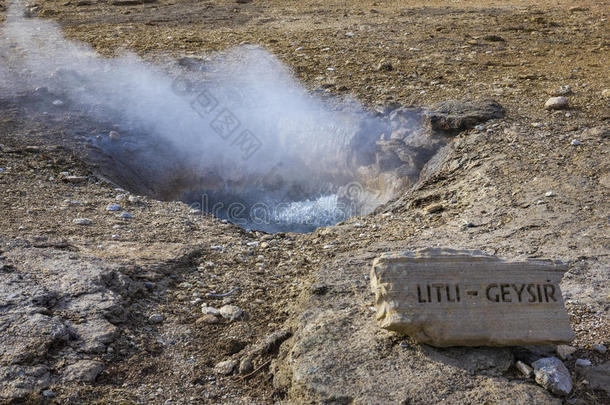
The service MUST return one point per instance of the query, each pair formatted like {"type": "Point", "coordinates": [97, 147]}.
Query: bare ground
{"type": "Point", "coordinates": [497, 181]}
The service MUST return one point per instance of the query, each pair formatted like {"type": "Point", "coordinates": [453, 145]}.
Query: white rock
{"type": "Point", "coordinates": [583, 363]}
{"type": "Point", "coordinates": [82, 221]}
{"type": "Point", "coordinates": [125, 214]}
{"type": "Point", "coordinates": [225, 367]}
{"type": "Point", "coordinates": [113, 207]}
{"type": "Point", "coordinates": [209, 310]}
{"type": "Point", "coordinates": [524, 368]}
{"type": "Point", "coordinates": [155, 318]}
{"type": "Point", "coordinates": [58, 103]}
{"type": "Point", "coordinates": [556, 103]}
{"type": "Point", "coordinates": [231, 312]}
{"type": "Point", "coordinates": [575, 142]}
{"type": "Point", "coordinates": [564, 351]}
{"type": "Point", "coordinates": [553, 375]}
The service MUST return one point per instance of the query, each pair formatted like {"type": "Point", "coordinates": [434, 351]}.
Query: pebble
{"type": "Point", "coordinates": [133, 199]}
{"type": "Point", "coordinates": [556, 103]}
{"type": "Point", "coordinates": [208, 319]}
{"type": "Point", "coordinates": [75, 179]}
{"type": "Point", "coordinates": [434, 208]}
{"type": "Point", "coordinates": [231, 312]}
{"type": "Point", "coordinates": [155, 318]}
{"type": "Point", "coordinates": [583, 363]}
{"type": "Point", "coordinates": [58, 103]}
{"type": "Point", "coordinates": [225, 367]}
{"type": "Point", "coordinates": [384, 67]}
{"type": "Point", "coordinates": [549, 194]}
{"type": "Point", "coordinates": [575, 142]}
{"type": "Point", "coordinates": [564, 351]}
{"type": "Point", "coordinates": [524, 368]}
{"type": "Point", "coordinates": [114, 135]}
{"type": "Point", "coordinates": [553, 375]}
{"type": "Point", "coordinates": [606, 93]}
{"type": "Point", "coordinates": [562, 91]}
{"type": "Point", "coordinates": [598, 347]}
{"type": "Point", "coordinates": [113, 207]}
{"type": "Point", "coordinates": [82, 221]}
{"type": "Point", "coordinates": [115, 236]}
{"type": "Point", "coordinates": [246, 366]}
{"type": "Point", "coordinates": [125, 214]}
{"type": "Point", "coordinates": [209, 310]}
{"type": "Point", "coordinates": [48, 394]}
{"type": "Point", "coordinates": [479, 128]}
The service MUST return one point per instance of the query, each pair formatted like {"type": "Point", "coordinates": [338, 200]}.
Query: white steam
{"type": "Point", "coordinates": [244, 113]}
{"type": "Point", "coordinates": [239, 114]}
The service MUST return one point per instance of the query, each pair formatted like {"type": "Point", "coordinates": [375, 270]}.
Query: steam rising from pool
{"type": "Point", "coordinates": [225, 128]}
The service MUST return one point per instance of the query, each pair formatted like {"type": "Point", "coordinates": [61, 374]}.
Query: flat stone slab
{"type": "Point", "coordinates": [446, 298]}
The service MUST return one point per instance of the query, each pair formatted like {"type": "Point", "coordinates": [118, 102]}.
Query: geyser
{"type": "Point", "coordinates": [230, 133]}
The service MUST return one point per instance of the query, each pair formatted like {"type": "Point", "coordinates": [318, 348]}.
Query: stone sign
{"type": "Point", "coordinates": [466, 298]}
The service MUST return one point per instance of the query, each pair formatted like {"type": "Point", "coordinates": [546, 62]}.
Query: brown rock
{"type": "Point", "coordinates": [208, 319]}
{"type": "Point", "coordinates": [444, 297]}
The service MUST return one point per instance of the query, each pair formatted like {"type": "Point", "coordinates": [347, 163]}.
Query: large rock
{"type": "Point", "coordinates": [553, 375]}
{"type": "Point", "coordinates": [459, 115]}
{"type": "Point", "coordinates": [465, 298]}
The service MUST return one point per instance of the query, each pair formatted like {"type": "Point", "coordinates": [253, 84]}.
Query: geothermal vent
{"type": "Point", "coordinates": [232, 134]}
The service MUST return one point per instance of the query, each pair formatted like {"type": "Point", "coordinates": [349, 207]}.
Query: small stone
{"type": "Point", "coordinates": [524, 368]}
{"type": "Point", "coordinates": [246, 366]}
{"type": "Point", "coordinates": [225, 367]}
{"type": "Point", "coordinates": [113, 207]}
{"type": "Point", "coordinates": [207, 319]}
{"type": "Point", "coordinates": [133, 199]}
{"type": "Point", "coordinates": [58, 103]}
{"type": "Point", "coordinates": [479, 128]}
{"type": "Point", "coordinates": [155, 318]}
{"type": "Point", "coordinates": [564, 351]}
{"type": "Point", "coordinates": [553, 375]}
{"type": "Point", "coordinates": [114, 136]}
{"type": "Point", "coordinates": [493, 38]}
{"type": "Point", "coordinates": [75, 179]}
{"type": "Point", "coordinates": [115, 236]}
{"type": "Point", "coordinates": [583, 363]}
{"type": "Point", "coordinates": [575, 142]}
{"type": "Point", "coordinates": [549, 194]}
{"type": "Point", "coordinates": [231, 312]}
{"type": "Point", "coordinates": [384, 67]}
{"type": "Point", "coordinates": [48, 394]}
{"type": "Point", "coordinates": [209, 310]}
{"type": "Point", "coordinates": [562, 91]}
{"type": "Point", "coordinates": [556, 103]}
{"type": "Point", "coordinates": [82, 221]}
{"type": "Point", "coordinates": [598, 347]}
{"type": "Point", "coordinates": [125, 214]}
{"type": "Point", "coordinates": [434, 208]}
{"type": "Point", "coordinates": [84, 371]}
{"type": "Point", "coordinates": [606, 93]}
{"type": "Point", "coordinates": [195, 211]}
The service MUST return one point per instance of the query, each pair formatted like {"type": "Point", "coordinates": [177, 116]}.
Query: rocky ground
{"type": "Point", "coordinates": [99, 307]}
